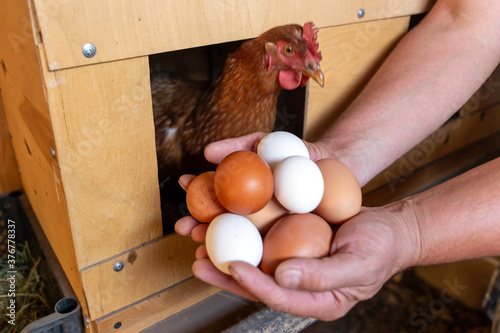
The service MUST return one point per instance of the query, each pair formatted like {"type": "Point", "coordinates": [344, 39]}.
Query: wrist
{"type": "Point", "coordinates": [409, 245]}
{"type": "Point", "coordinates": [351, 153]}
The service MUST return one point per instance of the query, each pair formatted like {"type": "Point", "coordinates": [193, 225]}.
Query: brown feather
{"type": "Point", "coordinates": [189, 115]}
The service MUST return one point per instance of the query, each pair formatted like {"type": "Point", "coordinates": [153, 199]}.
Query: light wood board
{"type": "Point", "coordinates": [131, 28]}
{"type": "Point", "coordinates": [32, 138]}
{"type": "Point", "coordinates": [452, 136]}
{"type": "Point", "coordinates": [10, 179]}
{"type": "Point", "coordinates": [104, 142]}
{"type": "Point", "coordinates": [157, 307]}
{"type": "Point", "coordinates": [351, 55]}
{"type": "Point", "coordinates": [147, 270]}
{"type": "Point", "coordinates": [440, 170]}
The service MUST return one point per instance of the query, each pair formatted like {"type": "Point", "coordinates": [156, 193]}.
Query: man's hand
{"type": "Point", "coordinates": [366, 251]}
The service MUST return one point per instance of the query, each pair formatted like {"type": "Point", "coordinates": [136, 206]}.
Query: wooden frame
{"type": "Point", "coordinates": [82, 128]}
{"type": "Point", "coordinates": [128, 29]}
{"type": "Point", "coordinates": [10, 180]}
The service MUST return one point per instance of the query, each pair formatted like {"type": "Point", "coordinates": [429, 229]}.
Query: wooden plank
{"type": "Point", "coordinates": [147, 269]}
{"type": "Point", "coordinates": [436, 172]}
{"type": "Point", "coordinates": [450, 137]}
{"type": "Point", "coordinates": [269, 320]}
{"type": "Point", "coordinates": [131, 28]}
{"type": "Point", "coordinates": [32, 138]}
{"type": "Point", "coordinates": [213, 314]}
{"type": "Point", "coordinates": [10, 180]}
{"type": "Point", "coordinates": [466, 281]}
{"type": "Point", "coordinates": [351, 55]}
{"type": "Point", "coordinates": [104, 142]}
{"type": "Point", "coordinates": [157, 307]}
{"type": "Point", "coordinates": [487, 96]}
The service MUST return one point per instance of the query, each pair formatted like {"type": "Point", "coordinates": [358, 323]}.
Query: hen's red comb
{"type": "Point", "coordinates": [310, 36]}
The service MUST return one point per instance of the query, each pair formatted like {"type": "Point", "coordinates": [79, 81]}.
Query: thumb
{"type": "Point", "coordinates": [341, 270]}
{"type": "Point", "coordinates": [216, 151]}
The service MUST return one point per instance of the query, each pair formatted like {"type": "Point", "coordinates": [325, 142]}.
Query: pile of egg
{"type": "Point", "coordinates": [276, 204]}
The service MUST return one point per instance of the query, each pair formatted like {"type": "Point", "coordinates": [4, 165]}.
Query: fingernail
{"type": "Point", "coordinates": [290, 278]}
{"type": "Point", "coordinates": [234, 274]}
{"type": "Point", "coordinates": [182, 185]}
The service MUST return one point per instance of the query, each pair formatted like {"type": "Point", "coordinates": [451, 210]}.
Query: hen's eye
{"type": "Point", "coordinates": [288, 50]}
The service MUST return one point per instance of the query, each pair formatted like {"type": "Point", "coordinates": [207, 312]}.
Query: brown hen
{"type": "Point", "coordinates": [189, 115]}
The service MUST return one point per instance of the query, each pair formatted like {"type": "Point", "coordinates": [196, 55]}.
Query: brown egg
{"type": "Point", "coordinates": [243, 182]}
{"type": "Point", "coordinates": [267, 216]}
{"type": "Point", "coordinates": [295, 236]}
{"type": "Point", "coordinates": [201, 200]}
{"type": "Point", "coordinates": [342, 197]}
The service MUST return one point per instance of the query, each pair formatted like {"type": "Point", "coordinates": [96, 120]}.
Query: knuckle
{"type": "Point", "coordinates": [277, 300]}
{"type": "Point", "coordinates": [321, 282]}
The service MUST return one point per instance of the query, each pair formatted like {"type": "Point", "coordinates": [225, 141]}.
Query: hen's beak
{"type": "Point", "coordinates": [315, 73]}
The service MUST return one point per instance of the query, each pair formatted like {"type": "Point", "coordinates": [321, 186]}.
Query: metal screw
{"type": "Point", "coordinates": [89, 50]}
{"type": "Point", "coordinates": [361, 13]}
{"type": "Point", "coordinates": [52, 152]}
{"type": "Point", "coordinates": [118, 266]}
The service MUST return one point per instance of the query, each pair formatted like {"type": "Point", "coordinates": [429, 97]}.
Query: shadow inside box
{"type": "Point", "coordinates": [408, 304]}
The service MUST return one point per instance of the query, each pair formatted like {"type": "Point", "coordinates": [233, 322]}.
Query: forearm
{"type": "Point", "coordinates": [457, 220]}
{"type": "Point", "coordinates": [428, 77]}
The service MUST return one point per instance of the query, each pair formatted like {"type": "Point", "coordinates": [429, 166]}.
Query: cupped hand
{"type": "Point", "coordinates": [366, 251]}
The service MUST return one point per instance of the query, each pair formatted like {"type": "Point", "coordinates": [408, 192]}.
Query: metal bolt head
{"type": "Point", "coordinates": [52, 152]}
{"type": "Point", "coordinates": [89, 50]}
{"type": "Point", "coordinates": [118, 266]}
{"type": "Point", "coordinates": [361, 13]}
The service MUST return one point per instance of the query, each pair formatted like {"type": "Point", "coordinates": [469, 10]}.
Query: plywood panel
{"type": "Point", "coordinates": [450, 137]}
{"type": "Point", "coordinates": [441, 169]}
{"type": "Point", "coordinates": [351, 55]}
{"type": "Point", "coordinates": [156, 308]}
{"type": "Point", "coordinates": [130, 28]}
{"type": "Point", "coordinates": [465, 281]}
{"type": "Point", "coordinates": [32, 137]}
{"type": "Point", "coordinates": [486, 97]}
{"type": "Point", "coordinates": [147, 269]}
{"type": "Point", "coordinates": [104, 142]}
{"type": "Point", "coordinates": [10, 179]}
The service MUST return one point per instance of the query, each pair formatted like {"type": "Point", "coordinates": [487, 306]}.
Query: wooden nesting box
{"type": "Point", "coordinates": [75, 86]}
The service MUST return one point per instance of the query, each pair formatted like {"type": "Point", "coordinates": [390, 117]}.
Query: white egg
{"type": "Point", "coordinates": [279, 145]}
{"type": "Point", "coordinates": [298, 184]}
{"type": "Point", "coordinates": [232, 237]}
